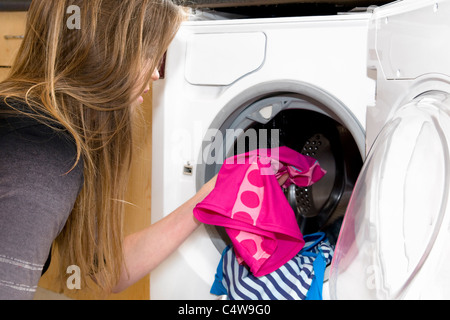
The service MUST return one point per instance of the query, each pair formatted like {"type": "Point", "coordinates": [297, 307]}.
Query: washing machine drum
{"type": "Point", "coordinates": [310, 132]}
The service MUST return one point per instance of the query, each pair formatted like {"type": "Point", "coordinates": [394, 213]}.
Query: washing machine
{"type": "Point", "coordinates": [395, 236]}
{"type": "Point", "coordinates": [234, 85]}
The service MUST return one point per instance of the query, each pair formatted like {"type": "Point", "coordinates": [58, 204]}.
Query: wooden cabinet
{"type": "Point", "coordinates": [4, 72]}
{"type": "Point", "coordinates": [12, 29]}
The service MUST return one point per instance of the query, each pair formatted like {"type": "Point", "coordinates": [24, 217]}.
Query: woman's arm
{"type": "Point", "coordinates": [146, 249]}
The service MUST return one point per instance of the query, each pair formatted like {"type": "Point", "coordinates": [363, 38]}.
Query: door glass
{"type": "Point", "coordinates": [398, 205]}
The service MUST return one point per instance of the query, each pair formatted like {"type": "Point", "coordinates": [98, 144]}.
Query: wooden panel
{"type": "Point", "coordinates": [3, 73]}
{"type": "Point", "coordinates": [138, 215]}
{"type": "Point", "coordinates": [12, 28]}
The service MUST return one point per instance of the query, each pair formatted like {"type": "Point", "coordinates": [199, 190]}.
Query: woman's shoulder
{"type": "Point", "coordinates": [15, 114]}
{"type": "Point", "coordinates": [18, 117]}
{"type": "Point", "coordinates": [24, 131]}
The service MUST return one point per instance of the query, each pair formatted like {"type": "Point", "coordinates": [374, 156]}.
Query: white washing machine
{"type": "Point", "coordinates": [300, 82]}
{"type": "Point", "coordinates": [395, 237]}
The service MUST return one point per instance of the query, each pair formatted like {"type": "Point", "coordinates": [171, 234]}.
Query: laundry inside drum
{"type": "Point", "coordinates": [322, 206]}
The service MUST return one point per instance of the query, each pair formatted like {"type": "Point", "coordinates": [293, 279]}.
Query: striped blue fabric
{"type": "Point", "coordinates": [290, 282]}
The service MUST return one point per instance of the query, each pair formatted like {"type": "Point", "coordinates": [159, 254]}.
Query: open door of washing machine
{"type": "Point", "coordinates": [394, 239]}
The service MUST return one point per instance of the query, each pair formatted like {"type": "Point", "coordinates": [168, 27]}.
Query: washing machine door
{"type": "Point", "coordinates": [394, 241]}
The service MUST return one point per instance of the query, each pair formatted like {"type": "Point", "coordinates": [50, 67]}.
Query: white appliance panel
{"type": "Point", "coordinates": [329, 54]}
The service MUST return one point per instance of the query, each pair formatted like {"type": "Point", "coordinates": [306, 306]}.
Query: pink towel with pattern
{"type": "Point", "coordinates": [248, 201]}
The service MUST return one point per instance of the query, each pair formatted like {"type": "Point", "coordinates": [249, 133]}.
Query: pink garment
{"type": "Point", "coordinates": [248, 201]}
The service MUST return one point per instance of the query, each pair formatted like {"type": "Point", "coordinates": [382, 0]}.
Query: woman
{"type": "Point", "coordinates": [66, 121]}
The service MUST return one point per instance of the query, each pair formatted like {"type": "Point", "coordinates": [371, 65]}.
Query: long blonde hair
{"type": "Point", "coordinates": [88, 80]}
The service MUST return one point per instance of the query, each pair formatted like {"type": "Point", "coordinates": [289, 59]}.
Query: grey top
{"type": "Point", "coordinates": [36, 198]}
